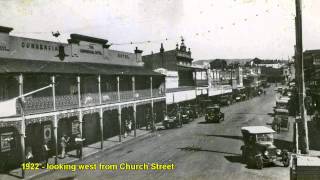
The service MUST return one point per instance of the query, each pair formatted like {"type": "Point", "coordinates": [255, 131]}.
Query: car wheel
{"type": "Point", "coordinates": [259, 162]}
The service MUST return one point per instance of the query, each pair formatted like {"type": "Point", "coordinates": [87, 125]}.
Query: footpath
{"type": "Point", "coordinates": [284, 140]}
{"type": "Point", "coordinates": [71, 156]}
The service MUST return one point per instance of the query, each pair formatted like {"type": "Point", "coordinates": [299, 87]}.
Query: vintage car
{"type": "Point", "coordinates": [213, 114]}
{"type": "Point", "coordinates": [258, 148]}
{"type": "Point", "coordinates": [171, 122]}
{"type": "Point", "coordinates": [282, 103]}
{"type": "Point", "coordinates": [186, 114]}
{"type": "Point", "coordinates": [260, 92]}
{"type": "Point", "coordinates": [240, 97]}
{"type": "Point", "coordinates": [225, 100]}
{"type": "Point", "coordinates": [195, 111]}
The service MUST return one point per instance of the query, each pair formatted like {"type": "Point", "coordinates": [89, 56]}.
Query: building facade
{"type": "Point", "coordinates": [51, 89]}
{"type": "Point", "coordinates": [176, 65]}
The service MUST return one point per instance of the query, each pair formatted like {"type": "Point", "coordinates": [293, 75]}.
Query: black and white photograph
{"type": "Point", "coordinates": [160, 89]}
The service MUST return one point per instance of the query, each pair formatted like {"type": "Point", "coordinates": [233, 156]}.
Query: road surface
{"type": "Point", "coordinates": [198, 150]}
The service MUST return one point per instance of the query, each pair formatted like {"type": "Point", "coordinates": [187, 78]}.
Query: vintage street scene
{"type": "Point", "coordinates": [154, 89]}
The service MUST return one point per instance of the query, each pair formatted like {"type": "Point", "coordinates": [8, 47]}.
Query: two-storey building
{"type": "Point", "coordinates": [50, 89]}
{"type": "Point", "coordinates": [176, 65]}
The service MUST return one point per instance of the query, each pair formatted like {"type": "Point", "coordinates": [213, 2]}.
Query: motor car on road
{"type": "Point", "coordinates": [259, 149]}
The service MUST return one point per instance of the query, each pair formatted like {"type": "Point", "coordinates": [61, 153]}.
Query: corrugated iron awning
{"type": "Point", "coordinates": [36, 66]}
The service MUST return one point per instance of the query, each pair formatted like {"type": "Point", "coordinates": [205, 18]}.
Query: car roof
{"type": "Point", "coordinates": [213, 107]}
{"type": "Point", "coordinates": [257, 129]}
{"type": "Point", "coordinates": [282, 110]}
{"type": "Point", "coordinates": [283, 100]}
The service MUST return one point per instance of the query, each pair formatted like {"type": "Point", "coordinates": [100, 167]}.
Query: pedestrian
{"type": "Point", "coordinates": [277, 124]}
{"type": "Point", "coordinates": [125, 128]}
{"type": "Point", "coordinates": [148, 119]}
{"type": "Point", "coordinates": [129, 128]}
{"type": "Point", "coordinates": [45, 152]}
{"type": "Point", "coordinates": [79, 144]}
{"type": "Point", "coordinates": [63, 143]}
{"type": "Point", "coordinates": [29, 155]}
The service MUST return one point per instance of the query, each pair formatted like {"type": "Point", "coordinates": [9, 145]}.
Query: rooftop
{"type": "Point", "coordinates": [257, 129]}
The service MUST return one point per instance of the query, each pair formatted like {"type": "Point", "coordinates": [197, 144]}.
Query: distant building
{"type": "Point", "coordinates": [176, 65]}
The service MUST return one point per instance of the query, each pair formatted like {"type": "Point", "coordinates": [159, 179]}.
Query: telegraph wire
{"type": "Point", "coordinates": [202, 34]}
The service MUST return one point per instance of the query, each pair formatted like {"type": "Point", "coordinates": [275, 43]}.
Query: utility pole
{"type": "Point", "coordinates": [301, 85]}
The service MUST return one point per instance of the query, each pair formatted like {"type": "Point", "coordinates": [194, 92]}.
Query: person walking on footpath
{"type": "Point", "coordinates": [79, 144]}
{"type": "Point", "coordinates": [63, 144]}
{"type": "Point", "coordinates": [29, 155]}
{"type": "Point", "coordinates": [45, 152]}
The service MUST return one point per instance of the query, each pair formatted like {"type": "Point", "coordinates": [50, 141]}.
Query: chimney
{"type": "Point", "coordinates": [161, 48]}
{"type": "Point", "coordinates": [138, 51]}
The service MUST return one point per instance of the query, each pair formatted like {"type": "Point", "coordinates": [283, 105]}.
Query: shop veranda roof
{"type": "Point", "coordinates": [36, 66]}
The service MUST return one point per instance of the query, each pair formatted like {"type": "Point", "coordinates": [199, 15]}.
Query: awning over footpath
{"type": "Point", "coordinates": [186, 68]}
{"type": "Point", "coordinates": [36, 66]}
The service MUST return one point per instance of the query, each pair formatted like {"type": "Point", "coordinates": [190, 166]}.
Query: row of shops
{"type": "Point", "coordinates": [44, 96]}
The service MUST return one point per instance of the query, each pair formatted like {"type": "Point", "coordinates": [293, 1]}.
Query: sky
{"type": "Point", "coordinates": [211, 28]}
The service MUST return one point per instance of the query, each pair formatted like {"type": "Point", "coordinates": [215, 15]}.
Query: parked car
{"type": "Point", "coordinates": [213, 114]}
{"type": "Point", "coordinates": [171, 122]}
{"type": "Point", "coordinates": [195, 111]}
{"type": "Point", "coordinates": [260, 92]}
{"type": "Point", "coordinates": [186, 114]}
{"type": "Point", "coordinates": [225, 100]}
{"type": "Point", "coordinates": [258, 148]}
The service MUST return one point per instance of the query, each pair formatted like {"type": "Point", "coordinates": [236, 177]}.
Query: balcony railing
{"type": "Point", "coordinates": [126, 95]}
{"type": "Point", "coordinates": [142, 94]}
{"type": "Point", "coordinates": [109, 97]}
{"type": "Point", "coordinates": [66, 102]}
{"type": "Point", "coordinates": [34, 105]}
{"type": "Point", "coordinates": [90, 99]}
{"type": "Point", "coordinates": [158, 92]}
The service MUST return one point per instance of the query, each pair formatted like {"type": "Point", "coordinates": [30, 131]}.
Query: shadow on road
{"type": "Point", "coordinates": [234, 159]}
{"type": "Point", "coordinates": [197, 149]}
{"type": "Point", "coordinates": [271, 114]}
{"type": "Point", "coordinates": [225, 136]}
{"type": "Point", "coordinates": [204, 122]}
